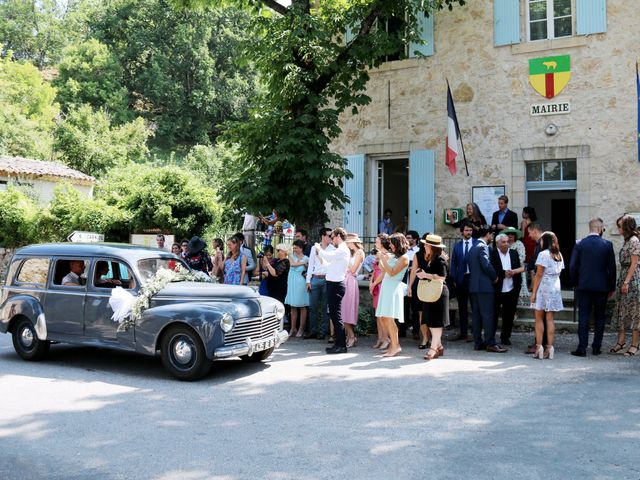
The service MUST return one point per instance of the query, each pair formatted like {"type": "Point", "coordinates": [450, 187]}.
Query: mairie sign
{"type": "Point", "coordinates": [549, 75]}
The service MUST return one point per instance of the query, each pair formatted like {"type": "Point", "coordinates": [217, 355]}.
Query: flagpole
{"type": "Point", "coordinates": [638, 95]}
{"type": "Point", "coordinates": [464, 155]}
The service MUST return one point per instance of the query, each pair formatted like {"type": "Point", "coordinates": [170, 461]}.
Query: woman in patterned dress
{"type": "Point", "coordinates": [626, 313]}
{"type": "Point", "coordinates": [297, 295]}
{"type": "Point", "coordinates": [546, 296]}
{"type": "Point", "coordinates": [382, 245]}
{"type": "Point", "coordinates": [515, 244]}
{"type": "Point", "coordinates": [351, 300]}
{"type": "Point", "coordinates": [235, 264]}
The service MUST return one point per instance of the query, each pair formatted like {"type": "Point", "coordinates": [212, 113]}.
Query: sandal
{"type": "Point", "coordinates": [432, 356]}
{"type": "Point", "coordinates": [617, 347]}
{"type": "Point", "coordinates": [629, 353]}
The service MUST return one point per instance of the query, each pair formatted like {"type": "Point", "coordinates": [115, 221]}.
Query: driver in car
{"type": "Point", "coordinates": [102, 268]}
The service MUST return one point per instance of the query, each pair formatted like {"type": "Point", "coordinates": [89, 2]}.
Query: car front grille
{"type": "Point", "coordinates": [253, 328]}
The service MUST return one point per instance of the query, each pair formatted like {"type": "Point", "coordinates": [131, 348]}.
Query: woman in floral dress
{"type": "Point", "coordinates": [546, 296]}
{"type": "Point", "coordinates": [235, 264]}
{"type": "Point", "coordinates": [515, 244]}
{"type": "Point", "coordinates": [626, 313]}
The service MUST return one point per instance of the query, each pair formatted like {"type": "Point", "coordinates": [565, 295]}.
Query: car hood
{"type": "Point", "coordinates": [206, 291]}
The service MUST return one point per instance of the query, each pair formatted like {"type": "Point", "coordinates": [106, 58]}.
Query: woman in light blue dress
{"type": "Point", "coordinates": [546, 296]}
{"type": "Point", "coordinates": [391, 300]}
{"type": "Point", "coordinates": [297, 295]}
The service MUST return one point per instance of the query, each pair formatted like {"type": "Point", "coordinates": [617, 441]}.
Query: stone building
{"type": "Point", "coordinates": [39, 178]}
{"type": "Point", "coordinates": [573, 161]}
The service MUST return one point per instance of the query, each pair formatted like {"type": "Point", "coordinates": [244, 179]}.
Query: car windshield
{"type": "Point", "coordinates": [149, 266]}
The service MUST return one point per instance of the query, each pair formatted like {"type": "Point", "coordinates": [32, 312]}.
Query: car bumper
{"type": "Point", "coordinates": [249, 347]}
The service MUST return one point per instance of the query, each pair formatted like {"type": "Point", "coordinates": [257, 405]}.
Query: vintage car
{"type": "Point", "coordinates": [59, 293]}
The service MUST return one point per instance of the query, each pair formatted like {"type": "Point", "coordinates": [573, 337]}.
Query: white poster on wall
{"type": "Point", "coordinates": [487, 199]}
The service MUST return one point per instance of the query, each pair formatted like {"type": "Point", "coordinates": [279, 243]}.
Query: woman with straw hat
{"type": "Point", "coordinates": [434, 313]}
{"type": "Point", "coordinates": [351, 299]}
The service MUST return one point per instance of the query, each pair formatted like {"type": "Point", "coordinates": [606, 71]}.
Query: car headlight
{"type": "Point", "coordinates": [226, 323]}
{"type": "Point", "coordinates": [279, 311]}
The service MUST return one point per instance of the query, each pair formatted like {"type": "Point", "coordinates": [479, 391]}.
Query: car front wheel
{"type": "Point", "coordinates": [26, 342]}
{"type": "Point", "coordinates": [258, 356]}
{"type": "Point", "coordinates": [183, 354]}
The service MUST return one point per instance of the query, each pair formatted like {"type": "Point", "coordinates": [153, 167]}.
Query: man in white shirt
{"type": "Point", "coordinates": [317, 288]}
{"type": "Point", "coordinates": [412, 305]}
{"type": "Point", "coordinates": [337, 262]}
{"type": "Point", "coordinates": [72, 279]}
{"type": "Point", "coordinates": [507, 266]}
{"type": "Point", "coordinates": [249, 229]}
{"type": "Point", "coordinates": [160, 242]}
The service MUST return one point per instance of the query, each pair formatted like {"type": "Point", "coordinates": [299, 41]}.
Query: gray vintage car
{"type": "Point", "coordinates": [60, 293]}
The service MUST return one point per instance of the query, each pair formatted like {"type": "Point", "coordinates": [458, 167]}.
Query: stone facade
{"type": "Point", "coordinates": [493, 96]}
{"type": "Point", "coordinates": [5, 257]}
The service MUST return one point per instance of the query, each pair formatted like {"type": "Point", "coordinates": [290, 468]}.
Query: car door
{"type": "Point", "coordinates": [64, 304]}
{"type": "Point", "coordinates": [105, 275]}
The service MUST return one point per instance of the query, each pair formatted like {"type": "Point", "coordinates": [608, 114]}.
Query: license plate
{"type": "Point", "coordinates": [264, 344]}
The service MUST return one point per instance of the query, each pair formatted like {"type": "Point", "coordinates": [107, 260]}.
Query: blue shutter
{"type": "Point", "coordinates": [506, 22]}
{"type": "Point", "coordinates": [426, 34]}
{"type": "Point", "coordinates": [422, 190]}
{"type": "Point", "coordinates": [354, 189]}
{"type": "Point", "coordinates": [591, 16]}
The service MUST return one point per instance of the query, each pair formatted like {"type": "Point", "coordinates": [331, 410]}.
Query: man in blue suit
{"type": "Point", "coordinates": [482, 277]}
{"type": "Point", "coordinates": [593, 273]}
{"type": "Point", "coordinates": [460, 274]}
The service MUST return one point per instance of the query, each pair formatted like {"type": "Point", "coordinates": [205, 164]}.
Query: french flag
{"type": "Point", "coordinates": [454, 140]}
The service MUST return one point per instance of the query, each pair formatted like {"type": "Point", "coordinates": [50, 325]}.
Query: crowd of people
{"type": "Point", "coordinates": [494, 268]}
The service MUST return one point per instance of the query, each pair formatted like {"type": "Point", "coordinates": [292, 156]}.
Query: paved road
{"type": "Point", "coordinates": [94, 414]}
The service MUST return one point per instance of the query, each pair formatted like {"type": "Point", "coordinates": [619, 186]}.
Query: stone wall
{"type": "Point", "coordinates": [5, 257]}
{"type": "Point", "coordinates": [491, 90]}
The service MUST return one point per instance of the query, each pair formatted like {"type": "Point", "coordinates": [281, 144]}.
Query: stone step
{"type": "Point", "coordinates": [565, 314]}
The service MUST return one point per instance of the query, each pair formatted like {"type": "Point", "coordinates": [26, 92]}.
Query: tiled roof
{"type": "Point", "coordinates": [18, 166]}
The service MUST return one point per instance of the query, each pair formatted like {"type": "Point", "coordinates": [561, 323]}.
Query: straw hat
{"type": "Point", "coordinates": [283, 247]}
{"type": "Point", "coordinates": [514, 231]}
{"type": "Point", "coordinates": [353, 238]}
{"type": "Point", "coordinates": [434, 241]}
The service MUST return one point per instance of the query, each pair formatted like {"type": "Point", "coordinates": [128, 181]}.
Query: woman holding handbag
{"type": "Point", "coordinates": [436, 307]}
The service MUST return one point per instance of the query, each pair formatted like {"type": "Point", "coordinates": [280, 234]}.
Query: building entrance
{"type": "Point", "coordinates": [393, 191]}
{"type": "Point", "coordinates": [556, 210]}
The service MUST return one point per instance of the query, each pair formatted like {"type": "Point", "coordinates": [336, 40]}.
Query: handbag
{"type": "Point", "coordinates": [429, 291]}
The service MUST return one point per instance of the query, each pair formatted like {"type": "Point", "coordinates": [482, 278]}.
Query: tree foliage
{"type": "Point", "coordinates": [311, 75]}
{"type": "Point", "coordinates": [87, 141]}
{"type": "Point", "coordinates": [168, 198]}
{"type": "Point", "coordinates": [90, 74]}
{"type": "Point", "coordinates": [19, 218]}
{"type": "Point", "coordinates": [27, 110]}
{"type": "Point", "coordinates": [180, 66]}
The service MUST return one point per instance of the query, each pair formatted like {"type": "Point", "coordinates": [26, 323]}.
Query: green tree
{"type": "Point", "coordinates": [311, 76]}
{"type": "Point", "coordinates": [180, 66]}
{"type": "Point", "coordinates": [168, 198]}
{"type": "Point", "coordinates": [90, 74]}
{"type": "Point", "coordinates": [87, 141]}
{"type": "Point", "coordinates": [27, 110]}
{"type": "Point", "coordinates": [18, 219]}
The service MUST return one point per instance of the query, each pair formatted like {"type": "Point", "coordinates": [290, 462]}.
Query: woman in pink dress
{"type": "Point", "coordinates": [351, 299]}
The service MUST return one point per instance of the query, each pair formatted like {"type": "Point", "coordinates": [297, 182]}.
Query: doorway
{"type": "Point", "coordinates": [393, 191]}
{"type": "Point", "coordinates": [556, 211]}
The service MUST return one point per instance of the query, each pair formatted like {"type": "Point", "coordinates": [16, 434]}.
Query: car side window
{"type": "Point", "coordinates": [34, 270]}
{"type": "Point", "coordinates": [111, 274]}
{"type": "Point", "coordinates": [70, 273]}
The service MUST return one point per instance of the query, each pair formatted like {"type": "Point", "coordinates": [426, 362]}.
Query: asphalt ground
{"type": "Point", "coordinates": [95, 414]}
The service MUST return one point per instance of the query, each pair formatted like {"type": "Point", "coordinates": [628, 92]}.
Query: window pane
{"type": "Point", "coordinates": [569, 170]}
{"type": "Point", "coordinates": [551, 171]}
{"type": "Point", "coordinates": [538, 30]}
{"type": "Point", "coordinates": [561, 8]}
{"type": "Point", "coordinates": [538, 10]}
{"type": "Point", "coordinates": [562, 27]}
{"type": "Point", "coordinates": [534, 172]}
{"type": "Point", "coordinates": [34, 270]}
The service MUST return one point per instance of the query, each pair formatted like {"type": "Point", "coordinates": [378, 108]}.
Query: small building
{"type": "Point", "coordinates": [40, 178]}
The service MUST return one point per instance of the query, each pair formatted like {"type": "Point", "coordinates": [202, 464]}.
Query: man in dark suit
{"type": "Point", "coordinates": [460, 274]}
{"type": "Point", "coordinates": [507, 266]}
{"type": "Point", "coordinates": [482, 276]}
{"type": "Point", "coordinates": [504, 217]}
{"type": "Point", "coordinates": [593, 273]}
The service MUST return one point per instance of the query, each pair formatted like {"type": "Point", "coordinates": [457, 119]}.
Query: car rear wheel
{"type": "Point", "coordinates": [183, 354]}
{"type": "Point", "coordinates": [26, 342]}
{"type": "Point", "coordinates": [258, 356]}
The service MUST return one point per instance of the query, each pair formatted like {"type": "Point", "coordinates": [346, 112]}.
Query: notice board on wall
{"type": "Point", "coordinates": [487, 199]}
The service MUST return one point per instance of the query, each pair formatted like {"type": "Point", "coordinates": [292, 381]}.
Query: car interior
{"type": "Point", "coordinates": [63, 267]}
{"type": "Point", "coordinates": [109, 274]}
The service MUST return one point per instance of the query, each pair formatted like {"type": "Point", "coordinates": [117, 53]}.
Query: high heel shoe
{"type": "Point", "coordinates": [539, 353]}
{"type": "Point", "coordinates": [352, 342]}
{"type": "Point", "coordinates": [432, 354]}
{"type": "Point", "coordinates": [441, 351]}
{"type": "Point", "coordinates": [548, 353]}
{"type": "Point", "coordinates": [384, 345]}
{"type": "Point", "coordinates": [377, 344]}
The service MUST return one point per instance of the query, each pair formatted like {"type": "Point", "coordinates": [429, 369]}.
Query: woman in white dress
{"type": "Point", "coordinates": [546, 297]}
